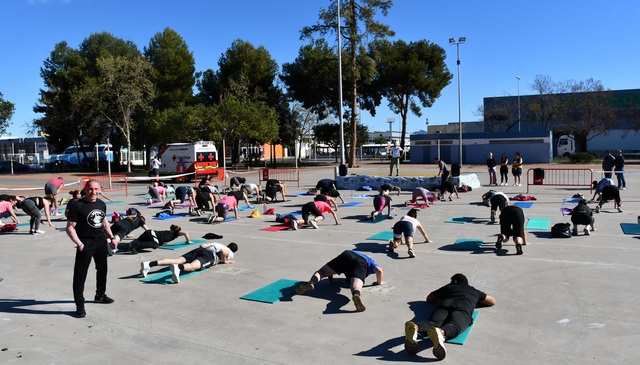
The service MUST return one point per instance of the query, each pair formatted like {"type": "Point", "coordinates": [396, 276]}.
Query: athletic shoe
{"type": "Point", "coordinates": [308, 286]}
{"type": "Point", "coordinates": [104, 299]}
{"type": "Point", "coordinates": [313, 223]}
{"type": "Point", "coordinates": [198, 212]}
{"type": "Point", "coordinates": [294, 224]}
{"type": "Point", "coordinates": [358, 302]}
{"type": "Point", "coordinates": [598, 209]}
{"type": "Point", "coordinates": [412, 254]}
{"type": "Point", "coordinates": [210, 218]}
{"type": "Point", "coordinates": [411, 338]}
{"type": "Point", "coordinates": [175, 273]}
{"type": "Point", "coordinates": [391, 248]}
{"type": "Point", "coordinates": [450, 199]}
{"type": "Point", "coordinates": [190, 211]}
{"type": "Point", "coordinates": [624, 188]}
{"type": "Point", "coordinates": [575, 231]}
{"type": "Point", "coordinates": [436, 336]}
{"type": "Point", "coordinates": [37, 232]}
{"type": "Point", "coordinates": [619, 210]}
{"type": "Point", "coordinates": [519, 249]}
{"type": "Point", "coordinates": [499, 242]}
{"type": "Point", "coordinates": [586, 232]}
{"type": "Point", "coordinates": [80, 312]}
{"type": "Point", "coordinates": [149, 201]}
{"type": "Point", "coordinates": [144, 268]}
{"type": "Point", "coordinates": [1, 224]}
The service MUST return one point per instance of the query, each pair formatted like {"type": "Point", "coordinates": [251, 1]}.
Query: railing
{"type": "Point", "coordinates": [282, 174]}
{"type": "Point", "coordinates": [108, 182]}
{"type": "Point", "coordinates": [560, 177]}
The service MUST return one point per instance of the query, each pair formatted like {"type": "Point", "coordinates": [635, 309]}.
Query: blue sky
{"type": "Point", "coordinates": [566, 39]}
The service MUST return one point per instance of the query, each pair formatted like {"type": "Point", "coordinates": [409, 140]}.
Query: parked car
{"type": "Point", "coordinates": [60, 166]}
{"type": "Point", "coordinates": [5, 166]}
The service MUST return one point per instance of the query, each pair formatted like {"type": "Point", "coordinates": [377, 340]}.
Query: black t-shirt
{"type": "Point", "coordinates": [126, 225]}
{"type": "Point", "coordinates": [166, 236]}
{"type": "Point", "coordinates": [325, 183]}
{"type": "Point", "coordinates": [460, 296]}
{"type": "Point", "coordinates": [89, 218]}
{"type": "Point", "coordinates": [237, 194]}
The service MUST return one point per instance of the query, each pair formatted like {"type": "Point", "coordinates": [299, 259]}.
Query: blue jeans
{"type": "Point", "coordinates": [621, 182]}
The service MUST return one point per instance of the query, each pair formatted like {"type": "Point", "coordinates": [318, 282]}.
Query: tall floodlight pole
{"type": "Point", "coordinates": [340, 90]}
{"type": "Point", "coordinates": [391, 121]}
{"type": "Point", "coordinates": [458, 43]}
{"type": "Point", "coordinates": [518, 78]}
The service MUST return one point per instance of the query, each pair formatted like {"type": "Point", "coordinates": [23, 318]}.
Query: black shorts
{"type": "Point", "coordinates": [512, 221]}
{"type": "Point", "coordinates": [310, 209]}
{"type": "Point", "coordinates": [206, 257]}
{"type": "Point", "coordinates": [350, 264]}
{"type": "Point", "coordinates": [498, 201]}
{"type": "Point", "coordinates": [330, 191]}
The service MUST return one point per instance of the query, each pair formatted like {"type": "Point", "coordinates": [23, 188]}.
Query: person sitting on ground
{"type": "Point", "coordinates": [153, 239]}
{"type": "Point", "coordinates": [512, 223]}
{"type": "Point", "coordinates": [599, 185]}
{"type": "Point", "coordinates": [156, 193]}
{"type": "Point", "coordinates": [223, 207]}
{"type": "Point", "coordinates": [610, 192]}
{"type": "Point", "coordinates": [381, 201]}
{"type": "Point", "coordinates": [316, 208]}
{"type": "Point", "coordinates": [127, 224]}
{"type": "Point", "coordinates": [421, 193]}
{"type": "Point", "coordinates": [32, 206]}
{"type": "Point", "coordinates": [582, 214]}
{"type": "Point", "coordinates": [453, 314]}
{"type": "Point", "coordinates": [201, 258]}
{"type": "Point", "coordinates": [406, 226]}
{"type": "Point", "coordinates": [355, 265]}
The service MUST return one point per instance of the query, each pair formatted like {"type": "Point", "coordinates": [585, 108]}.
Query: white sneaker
{"type": "Point", "coordinates": [435, 335]}
{"type": "Point", "coordinates": [586, 232]}
{"type": "Point", "coordinates": [619, 209]}
{"type": "Point", "coordinates": [1, 224]}
{"type": "Point", "coordinates": [144, 268]}
{"type": "Point", "coordinates": [313, 223]}
{"type": "Point", "coordinates": [37, 232]}
{"type": "Point", "coordinates": [294, 224]}
{"type": "Point", "coordinates": [597, 209]}
{"type": "Point", "coordinates": [175, 273]}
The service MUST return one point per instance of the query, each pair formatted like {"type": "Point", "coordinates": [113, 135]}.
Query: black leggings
{"type": "Point", "coordinates": [504, 174]}
{"type": "Point", "coordinates": [452, 320]}
{"type": "Point", "coordinates": [310, 209]}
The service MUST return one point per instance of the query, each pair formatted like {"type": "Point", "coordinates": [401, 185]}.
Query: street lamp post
{"type": "Point", "coordinates": [224, 155]}
{"type": "Point", "coordinates": [457, 43]}
{"type": "Point", "coordinates": [391, 121]}
{"type": "Point", "coordinates": [438, 133]}
{"type": "Point", "coordinates": [518, 78]}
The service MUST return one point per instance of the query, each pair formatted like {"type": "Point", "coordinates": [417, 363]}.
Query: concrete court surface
{"type": "Point", "coordinates": [565, 301]}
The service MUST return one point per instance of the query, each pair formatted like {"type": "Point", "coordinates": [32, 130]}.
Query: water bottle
{"type": "Point", "coordinates": [393, 213]}
{"type": "Point", "coordinates": [264, 208]}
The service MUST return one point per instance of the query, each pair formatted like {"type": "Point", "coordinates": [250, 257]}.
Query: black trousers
{"type": "Point", "coordinates": [96, 250]}
{"type": "Point", "coordinates": [452, 320]}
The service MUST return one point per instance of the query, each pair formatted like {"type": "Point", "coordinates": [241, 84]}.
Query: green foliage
{"type": "Point", "coordinates": [329, 134]}
{"type": "Point", "coordinates": [173, 69]}
{"type": "Point", "coordinates": [583, 157]}
{"type": "Point", "coordinates": [6, 112]}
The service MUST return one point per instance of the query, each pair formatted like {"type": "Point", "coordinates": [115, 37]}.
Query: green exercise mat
{"type": "Point", "coordinates": [460, 220]}
{"type": "Point", "coordinates": [467, 243]}
{"type": "Point", "coordinates": [462, 337]}
{"type": "Point", "coordinates": [181, 245]}
{"type": "Point", "coordinates": [382, 236]}
{"type": "Point", "coordinates": [541, 224]}
{"type": "Point", "coordinates": [164, 277]}
{"type": "Point", "coordinates": [273, 292]}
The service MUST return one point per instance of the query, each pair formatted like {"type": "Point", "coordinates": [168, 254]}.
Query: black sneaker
{"type": "Point", "coordinates": [80, 312]}
{"type": "Point", "coordinates": [518, 249]}
{"type": "Point", "coordinates": [104, 299]}
{"type": "Point", "coordinates": [499, 242]}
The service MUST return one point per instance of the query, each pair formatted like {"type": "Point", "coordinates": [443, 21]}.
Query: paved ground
{"type": "Point", "coordinates": [565, 301]}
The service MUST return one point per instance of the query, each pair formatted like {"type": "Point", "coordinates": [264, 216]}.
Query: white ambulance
{"type": "Point", "coordinates": [180, 158]}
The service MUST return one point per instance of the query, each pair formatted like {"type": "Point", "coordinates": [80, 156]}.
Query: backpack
{"type": "Point", "coordinates": [561, 230]}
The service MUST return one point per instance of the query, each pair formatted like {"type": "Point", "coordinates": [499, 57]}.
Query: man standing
{"type": "Point", "coordinates": [608, 163]}
{"type": "Point", "coordinates": [396, 153]}
{"type": "Point", "coordinates": [443, 173]}
{"type": "Point", "coordinates": [87, 226]}
{"type": "Point", "coordinates": [619, 169]}
{"type": "Point", "coordinates": [51, 190]}
{"type": "Point", "coordinates": [456, 302]}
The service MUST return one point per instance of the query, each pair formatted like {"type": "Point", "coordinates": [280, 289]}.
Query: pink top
{"type": "Point", "coordinates": [57, 182]}
{"type": "Point", "coordinates": [229, 200]}
{"type": "Point", "coordinates": [5, 206]}
{"type": "Point", "coordinates": [161, 189]}
{"type": "Point", "coordinates": [323, 207]}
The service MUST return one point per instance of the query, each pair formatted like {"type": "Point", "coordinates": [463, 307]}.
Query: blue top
{"type": "Point", "coordinates": [370, 262]}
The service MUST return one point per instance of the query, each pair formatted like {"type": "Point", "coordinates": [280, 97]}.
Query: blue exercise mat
{"type": "Point", "coordinates": [540, 224]}
{"type": "Point", "coordinates": [171, 216]}
{"type": "Point", "coordinates": [350, 204]}
{"type": "Point", "coordinates": [630, 228]}
{"type": "Point", "coordinates": [273, 292]}
{"type": "Point", "coordinates": [523, 204]}
{"type": "Point", "coordinates": [382, 236]}
{"type": "Point", "coordinates": [181, 245]}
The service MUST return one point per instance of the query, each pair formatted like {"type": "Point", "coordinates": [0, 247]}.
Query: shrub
{"type": "Point", "coordinates": [582, 157]}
